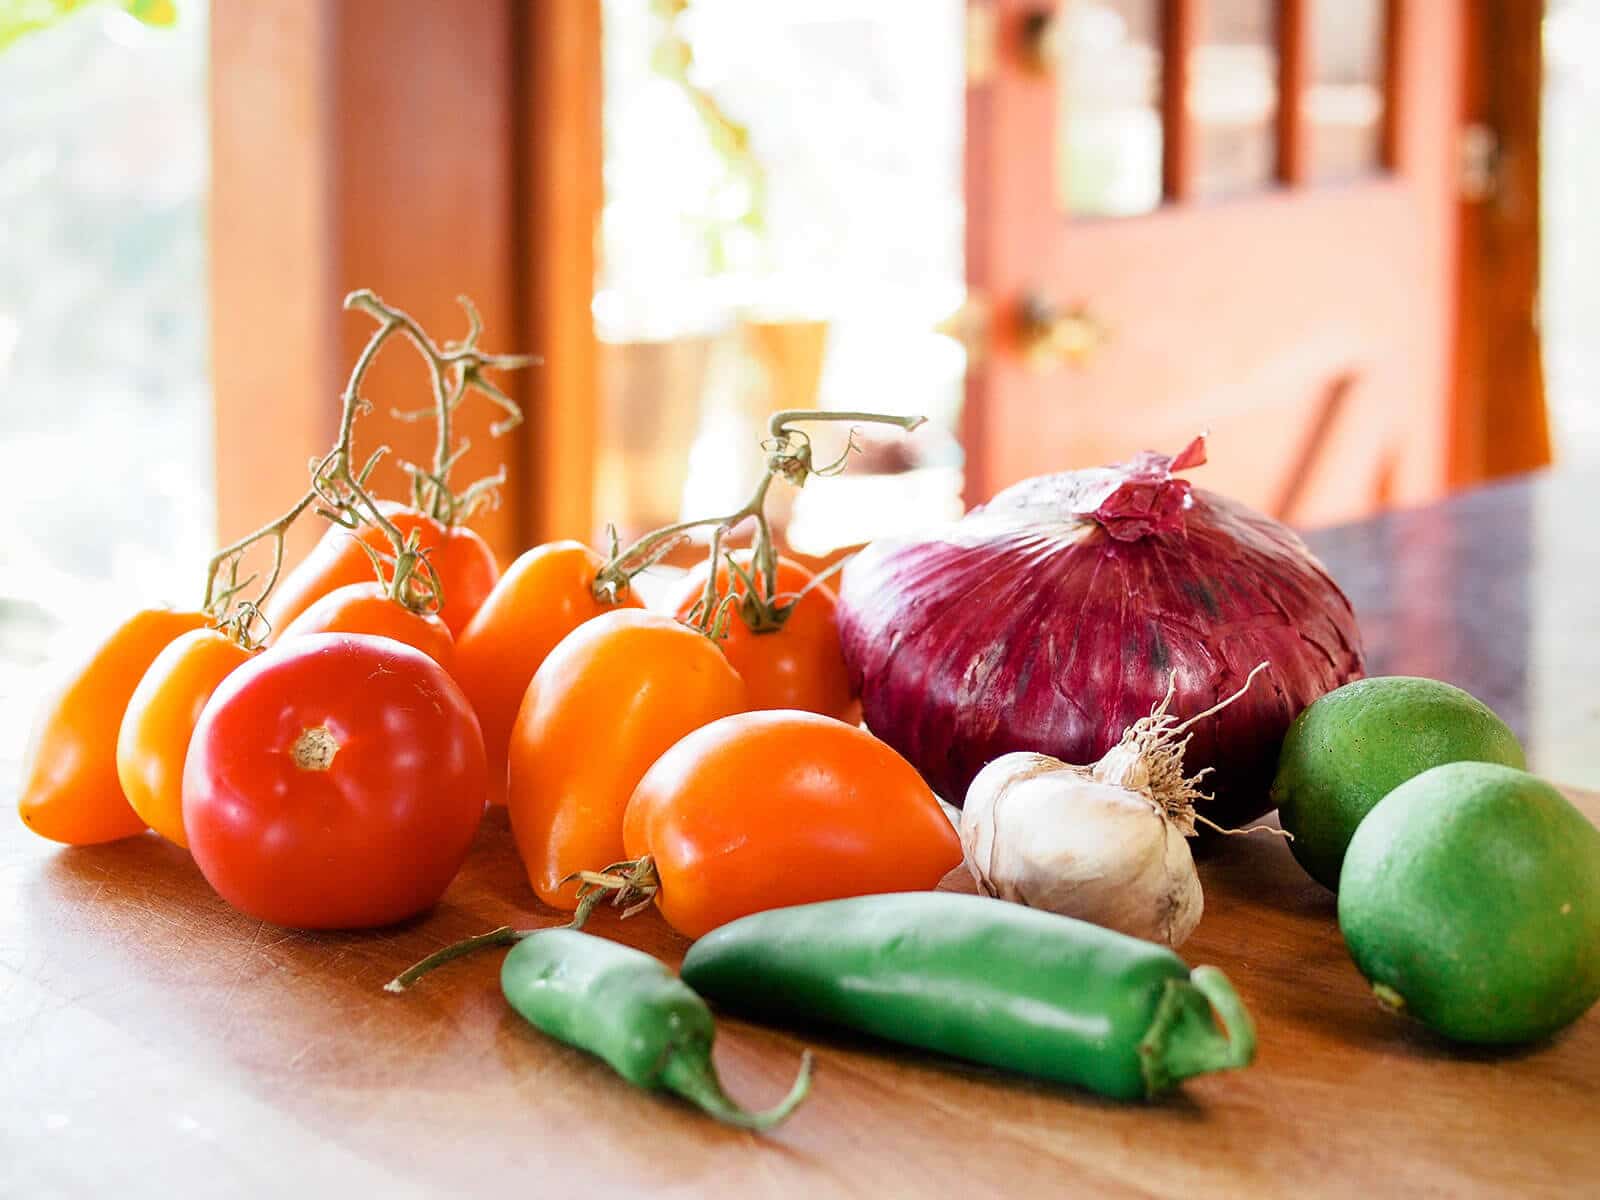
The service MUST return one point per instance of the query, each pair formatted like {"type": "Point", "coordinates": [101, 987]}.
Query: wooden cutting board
{"type": "Point", "coordinates": [155, 1043]}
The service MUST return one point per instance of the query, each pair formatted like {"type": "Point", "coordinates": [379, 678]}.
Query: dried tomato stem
{"type": "Point", "coordinates": [708, 594]}
{"type": "Point", "coordinates": [789, 456]}
{"type": "Point", "coordinates": [631, 884]}
{"type": "Point", "coordinates": [453, 370]}
{"type": "Point", "coordinates": [231, 555]}
{"type": "Point", "coordinates": [340, 491]}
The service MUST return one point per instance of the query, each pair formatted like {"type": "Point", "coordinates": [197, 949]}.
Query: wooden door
{"type": "Point", "coordinates": [1248, 227]}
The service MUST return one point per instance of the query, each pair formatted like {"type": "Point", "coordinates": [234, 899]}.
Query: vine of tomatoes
{"type": "Point", "coordinates": [112, 750]}
{"type": "Point", "coordinates": [325, 741]}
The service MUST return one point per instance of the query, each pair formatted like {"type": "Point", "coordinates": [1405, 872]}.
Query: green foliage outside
{"type": "Point", "coordinates": [21, 17]}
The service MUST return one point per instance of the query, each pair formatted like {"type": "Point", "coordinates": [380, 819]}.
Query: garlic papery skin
{"type": "Point", "coordinates": [1043, 833]}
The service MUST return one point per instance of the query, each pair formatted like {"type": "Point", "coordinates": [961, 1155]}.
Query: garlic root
{"type": "Point", "coordinates": [1107, 843]}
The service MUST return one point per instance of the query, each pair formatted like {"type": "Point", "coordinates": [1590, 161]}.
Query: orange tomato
{"type": "Point", "coordinates": [160, 719]}
{"type": "Point", "coordinates": [70, 792]}
{"type": "Point", "coordinates": [609, 700]}
{"type": "Point", "coordinates": [368, 608]}
{"type": "Point", "coordinates": [543, 596]}
{"type": "Point", "coordinates": [797, 666]}
{"type": "Point", "coordinates": [463, 561]}
{"type": "Point", "coordinates": [768, 809]}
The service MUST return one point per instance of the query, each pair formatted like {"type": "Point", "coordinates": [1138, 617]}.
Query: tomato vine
{"type": "Point", "coordinates": [789, 457]}
{"type": "Point", "coordinates": [338, 492]}
{"type": "Point", "coordinates": [453, 369]}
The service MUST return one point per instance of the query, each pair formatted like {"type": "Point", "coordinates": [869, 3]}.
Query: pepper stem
{"type": "Point", "coordinates": [504, 936]}
{"type": "Point", "coordinates": [1183, 1039]}
{"type": "Point", "coordinates": [626, 883]}
{"type": "Point", "coordinates": [688, 1072]}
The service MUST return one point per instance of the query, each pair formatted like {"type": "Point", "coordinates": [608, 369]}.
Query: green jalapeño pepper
{"type": "Point", "coordinates": [983, 980]}
{"type": "Point", "coordinates": [628, 1009]}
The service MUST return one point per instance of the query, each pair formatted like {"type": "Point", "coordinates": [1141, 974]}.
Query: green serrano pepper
{"type": "Point", "coordinates": [983, 980]}
{"type": "Point", "coordinates": [627, 1008]}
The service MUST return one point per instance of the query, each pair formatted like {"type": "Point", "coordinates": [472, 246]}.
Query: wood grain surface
{"type": "Point", "coordinates": [153, 1042]}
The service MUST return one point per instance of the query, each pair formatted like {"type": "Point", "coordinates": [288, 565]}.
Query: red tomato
{"type": "Point", "coordinates": [368, 608]}
{"type": "Point", "coordinates": [767, 809]}
{"type": "Point", "coordinates": [334, 782]}
{"type": "Point", "coordinates": [543, 596]}
{"type": "Point", "coordinates": [607, 702]}
{"type": "Point", "coordinates": [154, 739]}
{"type": "Point", "coordinates": [797, 666]}
{"type": "Point", "coordinates": [70, 791]}
{"type": "Point", "coordinates": [463, 561]}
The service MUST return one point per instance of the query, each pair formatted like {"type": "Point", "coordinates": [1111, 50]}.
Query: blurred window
{"type": "Point", "coordinates": [105, 417]}
{"type": "Point", "coordinates": [1570, 289]}
{"type": "Point", "coordinates": [1110, 59]}
{"type": "Point", "coordinates": [1343, 105]}
{"type": "Point", "coordinates": [782, 229]}
{"type": "Point", "coordinates": [1109, 162]}
{"type": "Point", "coordinates": [1233, 98]}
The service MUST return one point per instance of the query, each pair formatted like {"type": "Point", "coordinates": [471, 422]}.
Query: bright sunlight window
{"type": "Point", "coordinates": [105, 413]}
{"type": "Point", "coordinates": [1570, 300]}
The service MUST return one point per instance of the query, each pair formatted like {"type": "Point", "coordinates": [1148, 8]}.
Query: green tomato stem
{"type": "Point", "coordinates": [340, 491]}
{"type": "Point", "coordinates": [788, 455]}
{"type": "Point", "coordinates": [453, 369]}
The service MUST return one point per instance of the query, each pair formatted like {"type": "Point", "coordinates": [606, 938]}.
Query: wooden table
{"type": "Point", "coordinates": [155, 1043]}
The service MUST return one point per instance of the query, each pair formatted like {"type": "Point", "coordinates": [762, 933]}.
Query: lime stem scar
{"type": "Point", "coordinates": [1388, 997]}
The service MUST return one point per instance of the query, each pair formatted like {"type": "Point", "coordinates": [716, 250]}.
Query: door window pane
{"type": "Point", "coordinates": [1109, 73]}
{"type": "Point", "coordinates": [1233, 98]}
{"type": "Point", "coordinates": [1569, 292]}
{"type": "Point", "coordinates": [1343, 106]}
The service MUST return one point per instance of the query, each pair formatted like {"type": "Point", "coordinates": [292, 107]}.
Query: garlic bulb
{"type": "Point", "coordinates": [1107, 843]}
{"type": "Point", "coordinates": [1042, 833]}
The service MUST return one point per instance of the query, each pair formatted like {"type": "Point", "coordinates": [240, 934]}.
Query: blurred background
{"type": "Point", "coordinates": [1346, 236]}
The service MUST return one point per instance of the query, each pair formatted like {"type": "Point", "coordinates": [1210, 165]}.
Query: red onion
{"type": "Point", "coordinates": [1055, 616]}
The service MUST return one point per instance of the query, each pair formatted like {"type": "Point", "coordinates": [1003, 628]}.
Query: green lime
{"type": "Point", "coordinates": [1351, 748]}
{"type": "Point", "coordinates": [1470, 899]}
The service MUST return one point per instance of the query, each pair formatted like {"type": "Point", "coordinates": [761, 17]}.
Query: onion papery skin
{"type": "Point", "coordinates": [1054, 617]}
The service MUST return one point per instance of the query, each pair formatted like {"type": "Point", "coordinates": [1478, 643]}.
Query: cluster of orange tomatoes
{"type": "Point", "coordinates": [337, 777]}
